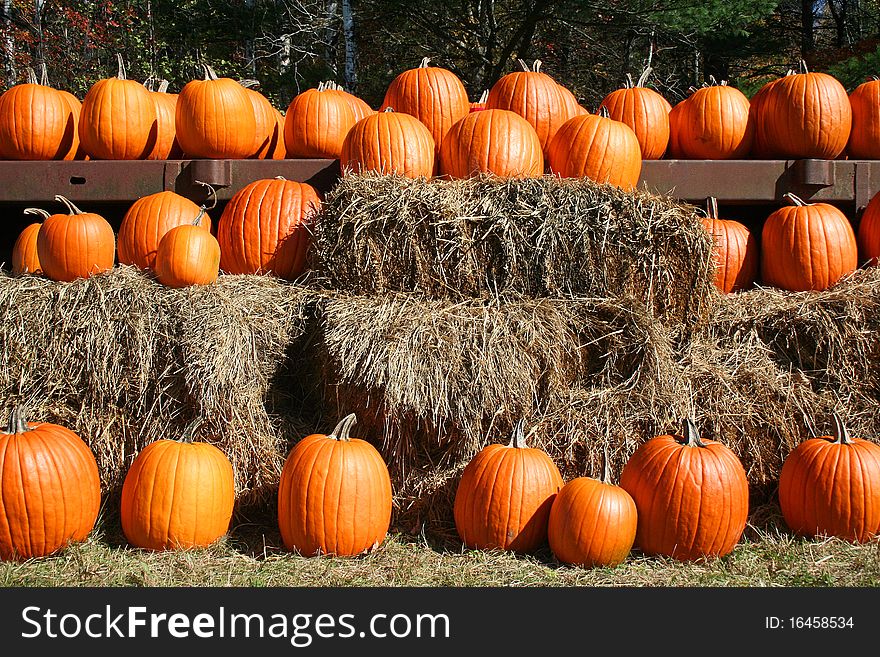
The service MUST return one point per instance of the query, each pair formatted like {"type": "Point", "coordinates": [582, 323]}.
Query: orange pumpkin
{"type": "Point", "coordinates": [504, 496]}
{"type": "Point", "coordinates": [492, 141]}
{"type": "Point", "coordinates": [691, 494]}
{"type": "Point", "coordinates": [118, 120]}
{"type": "Point", "coordinates": [868, 238]}
{"type": "Point", "coordinates": [75, 152]}
{"type": "Point", "coordinates": [266, 121]}
{"type": "Point", "coordinates": [358, 106]}
{"type": "Point", "coordinates": [480, 104]}
{"type": "Point", "coordinates": [599, 148]}
{"type": "Point", "coordinates": [50, 490]}
{"type": "Point", "coordinates": [25, 259]}
{"type": "Point", "coordinates": [146, 222]}
{"type": "Point", "coordinates": [735, 249]}
{"type": "Point", "coordinates": [864, 138]}
{"type": "Point", "coordinates": [167, 147]}
{"type": "Point", "coordinates": [674, 151]}
{"type": "Point", "coordinates": [831, 486]}
{"type": "Point", "coordinates": [389, 142]}
{"type": "Point", "coordinates": [807, 246]}
{"type": "Point", "coordinates": [75, 245]}
{"type": "Point", "coordinates": [334, 496]}
{"type": "Point", "coordinates": [277, 147]}
{"type": "Point", "coordinates": [316, 123]}
{"type": "Point", "coordinates": [645, 111]}
{"type": "Point", "coordinates": [264, 228]}
{"type": "Point", "coordinates": [715, 124]}
{"type": "Point", "coordinates": [177, 495]}
{"type": "Point", "coordinates": [188, 255]}
{"type": "Point", "coordinates": [761, 148]}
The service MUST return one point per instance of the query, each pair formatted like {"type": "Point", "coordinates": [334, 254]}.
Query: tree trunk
{"type": "Point", "coordinates": [8, 44]}
{"type": "Point", "coordinates": [350, 75]}
{"type": "Point", "coordinates": [808, 40]}
{"type": "Point", "coordinates": [331, 39]}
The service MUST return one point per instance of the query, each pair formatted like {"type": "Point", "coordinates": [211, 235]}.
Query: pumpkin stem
{"type": "Point", "coordinates": [484, 97]}
{"type": "Point", "coordinates": [31, 76]}
{"type": "Point", "coordinates": [249, 84]}
{"type": "Point", "coordinates": [691, 434]}
{"type": "Point", "coordinates": [44, 75]}
{"type": "Point", "coordinates": [536, 67]}
{"type": "Point", "coordinates": [712, 207]}
{"type": "Point", "coordinates": [163, 87]}
{"type": "Point", "coordinates": [841, 433]}
{"type": "Point", "coordinates": [70, 206]}
{"type": "Point", "coordinates": [388, 109]}
{"type": "Point", "coordinates": [17, 422]}
{"type": "Point", "coordinates": [643, 78]}
{"type": "Point", "coordinates": [518, 439]}
{"type": "Point", "coordinates": [343, 428]}
{"type": "Point", "coordinates": [802, 67]}
{"type": "Point", "coordinates": [37, 211]}
{"type": "Point", "coordinates": [209, 72]}
{"type": "Point", "coordinates": [120, 73]}
{"type": "Point", "coordinates": [628, 83]}
{"type": "Point", "coordinates": [795, 200]}
{"type": "Point", "coordinates": [606, 471]}
{"type": "Point", "coordinates": [523, 65]}
{"type": "Point", "coordinates": [424, 63]}
{"type": "Point", "coordinates": [212, 194]}
{"type": "Point", "coordinates": [603, 112]}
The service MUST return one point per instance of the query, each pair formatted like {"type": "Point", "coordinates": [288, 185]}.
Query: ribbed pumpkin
{"type": "Point", "coordinates": [645, 111]}
{"type": "Point", "coordinates": [316, 123]}
{"type": "Point", "coordinates": [50, 490]}
{"type": "Point", "coordinates": [264, 115]}
{"type": "Point", "coordinates": [868, 238]}
{"type": "Point", "coordinates": [805, 115]}
{"type": "Point", "coordinates": [75, 245]}
{"type": "Point", "coordinates": [167, 147]}
{"type": "Point", "coordinates": [736, 251]}
{"type": "Point", "coordinates": [188, 255]}
{"type": "Point", "coordinates": [761, 148]}
{"type": "Point", "coordinates": [118, 120]}
{"type": "Point", "coordinates": [504, 496]}
{"type": "Point", "coordinates": [492, 141]}
{"type": "Point", "coordinates": [36, 123]}
{"type": "Point", "coordinates": [434, 95]}
{"type": "Point", "coordinates": [807, 246]}
{"type": "Point", "coordinates": [215, 118]}
{"type": "Point", "coordinates": [592, 523]}
{"type": "Point", "coordinates": [572, 106]}
{"type": "Point", "coordinates": [673, 151]}
{"type": "Point", "coordinates": [864, 138]}
{"type": "Point", "coordinates": [831, 486]}
{"type": "Point", "coordinates": [25, 259]}
{"type": "Point", "coordinates": [334, 496]}
{"type": "Point", "coordinates": [358, 106]}
{"type": "Point", "coordinates": [177, 495]}
{"type": "Point", "coordinates": [75, 152]}
{"type": "Point", "coordinates": [596, 147]}
{"type": "Point", "coordinates": [534, 96]}
{"type": "Point", "coordinates": [277, 147]}
{"type": "Point", "coordinates": [263, 228]}
{"type": "Point", "coordinates": [480, 103]}
{"type": "Point", "coordinates": [691, 494]}
{"type": "Point", "coordinates": [147, 221]}
{"type": "Point", "coordinates": [715, 124]}
{"type": "Point", "coordinates": [389, 142]}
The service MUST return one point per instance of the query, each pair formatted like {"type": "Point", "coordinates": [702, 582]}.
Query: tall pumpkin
{"type": "Point", "coordinates": [177, 495]}
{"type": "Point", "coordinates": [807, 246]}
{"type": "Point", "coordinates": [118, 119]}
{"type": "Point", "coordinates": [188, 255]}
{"type": "Point", "coordinates": [735, 251]}
{"type": "Point", "coordinates": [215, 118]}
{"type": "Point", "coordinates": [805, 115]}
{"type": "Point", "coordinates": [597, 147]}
{"type": "Point", "coordinates": [36, 122]}
{"type": "Point", "coordinates": [864, 138]}
{"type": "Point", "coordinates": [146, 222]}
{"type": "Point", "coordinates": [50, 490]}
{"type": "Point", "coordinates": [432, 94]}
{"type": "Point", "coordinates": [75, 245]}
{"type": "Point", "coordinates": [492, 141]}
{"type": "Point", "coordinates": [264, 228]}
{"type": "Point", "coordinates": [316, 123]}
{"type": "Point", "coordinates": [504, 496]}
{"type": "Point", "coordinates": [715, 124]}
{"type": "Point", "coordinates": [691, 494]}
{"type": "Point", "coordinates": [334, 496]}
{"type": "Point", "coordinates": [389, 142]}
{"type": "Point", "coordinates": [645, 111]}
{"type": "Point", "coordinates": [167, 147]}
{"type": "Point", "coordinates": [25, 259]}
{"type": "Point", "coordinates": [831, 486]}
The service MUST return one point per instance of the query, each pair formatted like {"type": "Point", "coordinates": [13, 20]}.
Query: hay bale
{"type": "Point", "coordinates": [487, 236]}
{"type": "Point", "coordinates": [124, 360]}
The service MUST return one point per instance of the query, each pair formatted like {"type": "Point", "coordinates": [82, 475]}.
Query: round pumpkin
{"type": "Point", "coordinates": [864, 138]}
{"type": "Point", "coordinates": [50, 489]}
{"type": "Point", "coordinates": [358, 106]}
{"type": "Point", "coordinates": [266, 120]}
{"type": "Point", "coordinates": [316, 123]}
{"type": "Point", "coordinates": [735, 251]}
{"type": "Point", "coordinates": [691, 494]}
{"type": "Point", "coordinates": [146, 222]}
{"type": "Point", "coordinates": [75, 245]}
{"type": "Point", "coordinates": [277, 147]}
{"type": "Point", "coordinates": [492, 141]}
{"type": "Point", "coordinates": [334, 496]}
{"type": "Point", "coordinates": [868, 238]}
{"type": "Point", "coordinates": [807, 246]}
{"type": "Point", "coordinates": [75, 152]}
{"type": "Point", "coordinates": [188, 255]}
{"type": "Point", "coordinates": [25, 259]}
{"type": "Point", "coordinates": [167, 147]}
{"type": "Point", "coordinates": [264, 228]}
{"type": "Point", "coordinates": [177, 495]}
{"type": "Point", "coordinates": [645, 111]}
{"type": "Point", "coordinates": [118, 119]}
{"type": "Point", "coordinates": [592, 523]}
{"type": "Point", "coordinates": [215, 118]}
{"type": "Point", "coordinates": [715, 124]}
{"type": "Point", "coordinates": [674, 151]}
{"type": "Point", "coordinates": [389, 142]}
{"type": "Point", "coordinates": [761, 148]}
{"type": "Point", "coordinates": [432, 94]}
{"type": "Point", "coordinates": [597, 147]}
{"type": "Point", "coordinates": [831, 486]}
{"type": "Point", "coordinates": [572, 106]}
{"type": "Point", "coordinates": [504, 496]}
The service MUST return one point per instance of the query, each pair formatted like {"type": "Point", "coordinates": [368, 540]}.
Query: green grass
{"type": "Point", "coordinates": [252, 556]}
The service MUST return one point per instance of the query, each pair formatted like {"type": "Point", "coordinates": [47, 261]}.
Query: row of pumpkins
{"type": "Point", "coordinates": [679, 496]}
{"type": "Point", "coordinates": [526, 124]}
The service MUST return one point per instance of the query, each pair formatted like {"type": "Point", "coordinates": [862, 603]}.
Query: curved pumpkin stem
{"type": "Point", "coordinates": [802, 67]}
{"type": "Point", "coordinates": [643, 78]}
{"type": "Point", "coordinates": [44, 75]}
{"type": "Point", "coordinates": [120, 73]}
{"type": "Point", "coordinates": [841, 434]}
{"type": "Point", "coordinates": [342, 430]}
{"type": "Point", "coordinates": [212, 194]}
{"type": "Point", "coordinates": [163, 87]}
{"type": "Point", "coordinates": [603, 112]}
{"type": "Point", "coordinates": [523, 65]}
{"type": "Point", "coordinates": [249, 84]}
{"type": "Point", "coordinates": [17, 422]}
{"type": "Point", "coordinates": [628, 83]}
{"type": "Point", "coordinates": [484, 97]}
{"type": "Point", "coordinates": [70, 206]}
{"type": "Point", "coordinates": [388, 109]}
{"type": "Point", "coordinates": [209, 73]}
{"type": "Point", "coordinates": [424, 62]}
{"type": "Point", "coordinates": [37, 211]}
{"type": "Point", "coordinates": [31, 76]}
{"type": "Point", "coordinates": [690, 433]}
{"type": "Point", "coordinates": [518, 439]}
{"type": "Point", "coordinates": [712, 207]}
{"type": "Point", "coordinates": [795, 200]}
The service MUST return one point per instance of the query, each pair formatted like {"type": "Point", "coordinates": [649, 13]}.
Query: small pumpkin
{"type": "Point", "coordinates": [389, 142]}
{"type": "Point", "coordinates": [735, 251]}
{"type": "Point", "coordinates": [50, 489]}
{"type": "Point", "coordinates": [334, 496]}
{"type": "Point", "coordinates": [831, 486]}
{"type": "Point", "coordinates": [691, 494]}
{"type": "Point", "coordinates": [25, 259]}
{"type": "Point", "coordinates": [75, 245]}
{"type": "Point", "coordinates": [317, 122]}
{"type": "Point", "coordinates": [504, 496]}
{"type": "Point", "coordinates": [645, 111]}
{"type": "Point", "coordinates": [864, 138]}
{"type": "Point", "coordinates": [188, 255]}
